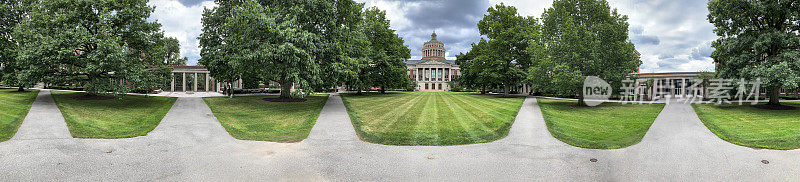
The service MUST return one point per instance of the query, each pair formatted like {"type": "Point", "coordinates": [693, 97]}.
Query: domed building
{"type": "Point", "coordinates": [433, 71]}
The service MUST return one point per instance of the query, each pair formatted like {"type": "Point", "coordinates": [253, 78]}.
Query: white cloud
{"type": "Point", "coordinates": [183, 23]}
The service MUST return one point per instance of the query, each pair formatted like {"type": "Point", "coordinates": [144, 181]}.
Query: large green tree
{"type": "Point", "coordinates": [758, 39]}
{"type": "Point", "coordinates": [167, 51]}
{"type": "Point", "coordinates": [474, 71]}
{"type": "Point", "coordinates": [12, 71]}
{"type": "Point", "coordinates": [249, 39]}
{"type": "Point", "coordinates": [386, 68]}
{"type": "Point", "coordinates": [319, 41]}
{"type": "Point", "coordinates": [103, 43]}
{"type": "Point", "coordinates": [503, 58]}
{"type": "Point", "coordinates": [341, 47]}
{"type": "Point", "coordinates": [582, 38]}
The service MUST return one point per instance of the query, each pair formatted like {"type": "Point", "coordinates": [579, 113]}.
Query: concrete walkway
{"type": "Point", "coordinates": [44, 120]}
{"type": "Point", "coordinates": [333, 122]}
{"type": "Point", "coordinates": [191, 145]}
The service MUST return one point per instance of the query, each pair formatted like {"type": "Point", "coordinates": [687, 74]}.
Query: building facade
{"type": "Point", "coordinates": [433, 71]}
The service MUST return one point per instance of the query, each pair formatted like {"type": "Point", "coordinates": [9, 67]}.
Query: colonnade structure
{"type": "Point", "coordinates": [196, 78]}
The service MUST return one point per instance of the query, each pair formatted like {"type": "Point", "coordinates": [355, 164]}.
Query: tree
{"type": "Point", "coordinates": [318, 43]}
{"type": "Point", "coordinates": [104, 43]}
{"type": "Point", "coordinates": [167, 51]}
{"type": "Point", "coordinates": [473, 70]}
{"type": "Point", "coordinates": [342, 47]}
{"type": "Point", "coordinates": [386, 68]}
{"type": "Point", "coordinates": [504, 57]}
{"type": "Point", "coordinates": [12, 71]}
{"type": "Point", "coordinates": [583, 38]}
{"type": "Point", "coordinates": [758, 39]}
{"type": "Point", "coordinates": [250, 39]}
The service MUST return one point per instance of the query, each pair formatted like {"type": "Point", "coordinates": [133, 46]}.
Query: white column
{"type": "Point", "coordinates": [207, 79]}
{"type": "Point", "coordinates": [194, 88]}
{"type": "Point", "coordinates": [418, 74]}
{"type": "Point", "coordinates": [683, 90]}
{"type": "Point", "coordinates": [184, 82]}
{"type": "Point", "coordinates": [172, 85]}
{"type": "Point", "coordinates": [425, 74]}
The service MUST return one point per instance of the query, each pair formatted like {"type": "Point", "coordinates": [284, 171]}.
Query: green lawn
{"type": "Point", "coordinates": [753, 127]}
{"type": "Point", "coordinates": [14, 107]}
{"type": "Point", "coordinates": [112, 118]}
{"type": "Point", "coordinates": [431, 118]}
{"type": "Point", "coordinates": [607, 126]}
{"type": "Point", "coordinates": [251, 118]}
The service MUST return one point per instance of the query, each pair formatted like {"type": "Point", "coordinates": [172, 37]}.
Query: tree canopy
{"type": "Point", "coordinates": [758, 40]}
{"type": "Point", "coordinates": [583, 38]}
{"type": "Point", "coordinates": [386, 68]}
{"type": "Point", "coordinates": [317, 44]}
{"type": "Point", "coordinates": [502, 58]}
{"type": "Point", "coordinates": [12, 71]}
{"type": "Point", "coordinates": [250, 39]}
{"type": "Point", "coordinates": [103, 43]}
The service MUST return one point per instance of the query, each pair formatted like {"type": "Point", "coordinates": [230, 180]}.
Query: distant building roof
{"type": "Point", "coordinates": [414, 62]}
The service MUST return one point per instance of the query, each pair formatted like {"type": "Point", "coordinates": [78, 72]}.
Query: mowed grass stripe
{"type": "Point", "coordinates": [424, 130]}
{"type": "Point", "coordinates": [498, 107]}
{"type": "Point", "coordinates": [751, 126]}
{"type": "Point", "coordinates": [382, 105]}
{"type": "Point", "coordinates": [607, 126]}
{"type": "Point", "coordinates": [407, 106]}
{"type": "Point", "coordinates": [407, 125]}
{"type": "Point", "coordinates": [490, 113]}
{"type": "Point", "coordinates": [252, 118]}
{"type": "Point", "coordinates": [461, 116]}
{"type": "Point", "coordinates": [403, 106]}
{"type": "Point", "coordinates": [432, 118]}
{"type": "Point", "coordinates": [14, 106]}
{"type": "Point", "coordinates": [485, 106]}
{"type": "Point", "coordinates": [471, 115]}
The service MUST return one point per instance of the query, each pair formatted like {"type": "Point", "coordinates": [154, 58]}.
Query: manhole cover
{"type": "Point", "coordinates": [593, 160]}
{"type": "Point", "coordinates": [765, 161]}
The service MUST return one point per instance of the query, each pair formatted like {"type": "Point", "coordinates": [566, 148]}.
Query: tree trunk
{"type": "Point", "coordinates": [774, 96]}
{"type": "Point", "coordinates": [581, 102]}
{"type": "Point", "coordinates": [20, 89]}
{"type": "Point", "coordinates": [383, 90]}
{"type": "Point", "coordinates": [483, 90]}
{"type": "Point", "coordinates": [286, 89]}
{"type": "Point", "coordinates": [506, 90]}
{"type": "Point", "coordinates": [359, 91]}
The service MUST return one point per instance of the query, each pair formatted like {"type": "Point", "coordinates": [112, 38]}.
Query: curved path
{"type": "Point", "coordinates": [190, 145]}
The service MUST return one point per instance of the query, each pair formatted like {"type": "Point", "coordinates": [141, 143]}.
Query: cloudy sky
{"type": "Point", "coordinates": [672, 35]}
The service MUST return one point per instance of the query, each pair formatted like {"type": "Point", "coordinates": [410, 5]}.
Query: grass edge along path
{"type": "Point", "coordinates": [719, 119]}
{"type": "Point", "coordinates": [499, 133]}
{"type": "Point", "coordinates": [111, 118]}
{"type": "Point", "coordinates": [22, 102]}
{"type": "Point", "coordinates": [229, 118]}
{"type": "Point", "coordinates": [591, 134]}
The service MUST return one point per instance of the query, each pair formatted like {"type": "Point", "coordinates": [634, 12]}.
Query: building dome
{"type": "Point", "coordinates": [433, 49]}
